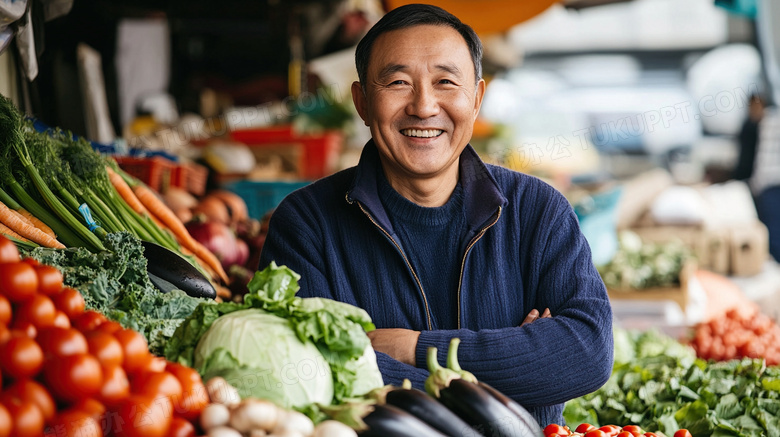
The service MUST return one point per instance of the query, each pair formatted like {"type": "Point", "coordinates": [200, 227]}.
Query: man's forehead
{"type": "Point", "coordinates": [400, 41]}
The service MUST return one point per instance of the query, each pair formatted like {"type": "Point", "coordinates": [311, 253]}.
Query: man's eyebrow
{"type": "Point", "coordinates": [390, 69]}
{"type": "Point", "coordinates": [449, 68]}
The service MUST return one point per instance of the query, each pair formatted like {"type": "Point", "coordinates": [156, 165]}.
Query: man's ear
{"type": "Point", "coordinates": [478, 98]}
{"type": "Point", "coordinates": [359, 99]}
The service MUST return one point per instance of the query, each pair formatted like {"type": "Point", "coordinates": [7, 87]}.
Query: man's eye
{"type": "Point", "coordinates": [397, 82]}
{"type": "Point", "coordinates": [447, 82]}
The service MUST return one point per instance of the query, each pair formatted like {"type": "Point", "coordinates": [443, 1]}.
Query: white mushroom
{"type": "Point", "coordinates": [213, 416]}
{"type": "Point", "coordinates": [221, 392]}
{"type": "Point", "coordinates": [223, 431]}
{"type": "Point", "coordinates": [333, 428]}
{"type": "Point", "coordinates": [292, 420]}
{"type": "Point", "coordinates": [253, 414]}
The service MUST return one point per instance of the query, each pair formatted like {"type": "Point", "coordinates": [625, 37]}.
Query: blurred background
{"type": "Point", "coordinates": [654, 117]}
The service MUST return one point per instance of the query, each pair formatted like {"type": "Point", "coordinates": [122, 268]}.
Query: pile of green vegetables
{"type": "Point", "coordinates": [639, 264]}
{"type": "Point", "coordinates": [55, 176]}
{"type": "Point", "coordinates": [296, 352]}
{"type": "Point", "coordinates": [114, 282]}
{"type": "Point", "coordinates": [660, 385]}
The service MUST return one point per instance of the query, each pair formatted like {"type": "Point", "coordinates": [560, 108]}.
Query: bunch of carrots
{"type": "Point", "coordinates": [57, 192]}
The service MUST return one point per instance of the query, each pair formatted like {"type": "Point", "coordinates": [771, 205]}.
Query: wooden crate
{"type": "Point", "coordinates": [677, 294]}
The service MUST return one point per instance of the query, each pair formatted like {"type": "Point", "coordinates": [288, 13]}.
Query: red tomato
{"type": "Point", "coordinates": [31, 261]}
{"type": "Point", "coordinates": [91, 406]}
{"type": "Point", "coordinates": [157, 384]}
{"type": "Point", "coordinates": [18, 281]}
{"type": "Point", "coordinates": [61, 342]}
{"type": "Point", "coordinates": [636, 430]}
{"type": "Point", "coordinates": [135, 348]}
{"type": "Point", "coordinates": [186, 375]}
{"type": "Point", "coordinates": [192, 401]}
{"type": "Point", "coordinates": [49, 280]}
{"type": "Point", "coordinates": [88, 321]}
{"type": "Point", "coordinates": [143, 416]}
{"type": "Point", "coordinates": [20, 357]}
{"type": "Point", "coordinates": [682, 433]}
{"type": "Point", "coordinates": [5, 417]}
{"type": "Point", "coordinates": [106, 348]}
{"type": "Point", "coordinates": [555, 429]}
{"type": "Point", "coordinates": [74, 423]}
{"type": "Point", "coordinates": [8, 251]}
{"type": "Point", "coordinates": [5, 334]}
{"type": "Point", "coordinates": [610, 430]}
{"type": "Point", "coordinates": [73, 377]}
{"type": "Point", "coordinates": [596, 433]}
{"type": "Point", "coordinates": [5, 311]}
{"type": "Point", "coordinates": [151, 364]}
{"type": "Point", "coordinates": [115, 386]}
{"type": "Point", "coordinates": [70, 301]}
{"type": "Point", "coordinates": [38, 310]}
{"type": "Point", "coordinates": [24, 328]}
{"type": "Point", "coordinates": [27, 418]}
{"type": "Point", "coordinates": [584, 427]}
{"type": "Point", "coordinates": [181, 428]}
{"type": "Point", "coordinates": [30, 391]}
{"type": "Point", "coordinates": [625, 434]}
{"type": "Point", "coordinates": [109, 327]}
{"type": "Point", "coordinates": [650, 434]}
{"type": "Point", "coordinates": [61, 320]}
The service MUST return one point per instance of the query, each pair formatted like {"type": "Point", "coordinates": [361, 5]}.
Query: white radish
{"type": "Point", "coordinates": [254, 414]}
{"type": "Point", "coordinates": [223, 431]}
{"type": "Point", "coordinates": [333, 428]}
{"type": "Point", "coordinates": [292, 420]}
{"type": "Point", "coordinates": [220, 392]}
{"type": "Point", "coordinates": [257, 433]}
{"type": "Point", "coordinates": [213, 416]}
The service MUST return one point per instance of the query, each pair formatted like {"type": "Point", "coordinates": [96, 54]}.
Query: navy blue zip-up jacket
{"type": "Point", "coordinates": [523, 250]}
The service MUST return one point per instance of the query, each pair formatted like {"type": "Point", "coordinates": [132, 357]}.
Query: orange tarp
{"type": "Point", "coordinates": [486, 16]}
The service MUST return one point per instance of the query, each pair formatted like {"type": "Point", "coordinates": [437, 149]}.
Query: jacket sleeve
{"type": "Point", "coordinates": [394, 372]}
{"type": "Point", "coordinates": [551, 360]}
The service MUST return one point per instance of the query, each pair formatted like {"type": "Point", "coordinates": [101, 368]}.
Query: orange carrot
{"type": "Point", "coordinates": [162, 212]}
{"type": "Point", "coordinates": [124, 190]}
{"type": "Point", "coordinates": [21, 226]}
{"type": "Point", "coordinates": [8, 231]}
{"type": "Point", "coordinates": [129, 196]}
{"type": "Point", "coordinates": [35, 221]}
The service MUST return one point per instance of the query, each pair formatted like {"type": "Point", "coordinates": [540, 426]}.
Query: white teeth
{"type": "Point", "coordinates": [422, 133]}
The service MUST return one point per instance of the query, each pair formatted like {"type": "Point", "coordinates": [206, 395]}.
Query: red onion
{"type": "Point", "coordinates": [219, 239]}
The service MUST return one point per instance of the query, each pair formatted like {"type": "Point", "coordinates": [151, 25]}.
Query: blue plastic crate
{"type": "Point", "coordinates": [261, 197]}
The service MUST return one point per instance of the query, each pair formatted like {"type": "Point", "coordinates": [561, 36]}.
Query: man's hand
{"type": "Point", "coordinates": [534, 315]}
{"type": "Point", "coordinates": [400, 344]}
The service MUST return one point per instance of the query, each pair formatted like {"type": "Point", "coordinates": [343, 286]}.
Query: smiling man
{"type": "Point", "coordinates": [435, 244]}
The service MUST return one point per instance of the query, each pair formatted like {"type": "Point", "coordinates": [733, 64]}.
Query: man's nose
{"type": "Point", "coordinates": [424, 103]}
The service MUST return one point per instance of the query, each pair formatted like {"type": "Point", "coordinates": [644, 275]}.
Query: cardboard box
{"type": "Point", "coordinates": [749, 249]}
{"type": "Point", "coordinates": [678, 294]}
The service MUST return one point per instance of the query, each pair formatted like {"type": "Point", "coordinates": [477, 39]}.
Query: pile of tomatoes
{"type": "Point", "coordinates": [588, 430]}
{"type": "Point", "coordinates": [739, 334]}
{"type": "Point", "coordinates": [69, 372]}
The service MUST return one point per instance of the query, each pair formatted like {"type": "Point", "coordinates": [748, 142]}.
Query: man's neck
{"type": "Point", "coordinates": [428, 192]}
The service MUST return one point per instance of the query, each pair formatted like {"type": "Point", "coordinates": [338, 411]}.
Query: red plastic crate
{"type": "Point", "coordinates": [320, 152]}
{"type": "Point", "coordinates": [155, 172]}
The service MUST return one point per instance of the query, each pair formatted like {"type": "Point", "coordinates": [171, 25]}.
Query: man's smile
{"type": "Point", "coordinates": [422, 133]}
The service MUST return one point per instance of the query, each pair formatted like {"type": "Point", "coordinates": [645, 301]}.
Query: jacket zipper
{"type": "Point", "coordinates": [408, 264]}
{"type": "Point", "coordinates": [463, 264]}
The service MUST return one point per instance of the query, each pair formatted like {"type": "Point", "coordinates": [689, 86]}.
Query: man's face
{"type": "Point", "coordinates": [421, 99]}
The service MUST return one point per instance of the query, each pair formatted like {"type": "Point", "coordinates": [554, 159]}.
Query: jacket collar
{"type": "Point", "coordinates": [481, 194]}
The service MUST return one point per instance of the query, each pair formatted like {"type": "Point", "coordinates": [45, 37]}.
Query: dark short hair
{"type": "Point", "coordinates": [416, 15]}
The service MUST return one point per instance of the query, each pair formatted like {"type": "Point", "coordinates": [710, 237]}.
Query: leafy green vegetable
{"type": "Point", "coordinates": [663, 387]}
{"type": "Point", "coordinates": [294, 351]}
{"type": "Point", "coordinates": [640, 264]}
{"type": "Point", "coordinates": [114, 282]}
